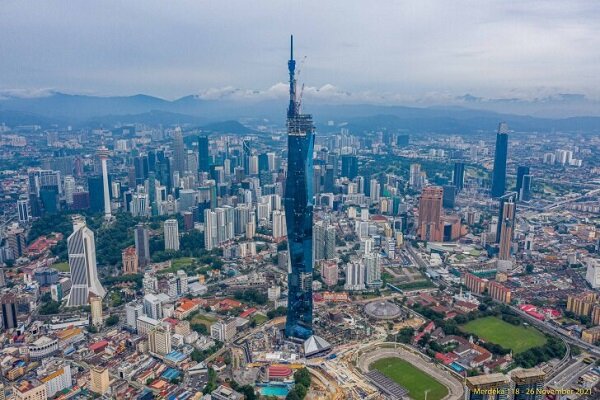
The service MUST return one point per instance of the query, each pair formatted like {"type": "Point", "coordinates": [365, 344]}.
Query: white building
{"type": "Point", "coordinates": [133, 311]}
{"type": "Point", "coordinates": [171, 235]}
{"type": "Point", "coordinates": [223, 331]}
{"type": "Point", "coordinates": [82, 264]}
{"type": "Point", "coordinates": [355, 276]}
{"type": "Point", "coordinates": [593, 272]}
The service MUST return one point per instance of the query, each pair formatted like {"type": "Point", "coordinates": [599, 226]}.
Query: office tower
{"type": "Point", "coordinates": [203, 154]}
{"type": "Point", "coordinates": [49, 197]}
{"type": "Point", "coordinates": [142, 244]}
{"type": "Point", "coordinates": [299, 214]}
{"type": "Point", "coordinates": [323, 241]}
{"type": "Point", "coordinates": [99, 379]}
{"type": "Point", "coordinates": [69, 189]}
{"type": "Point", "coordinates": [279, 228]}
{"type": "Point", "coordinates": [9, 311]}
{"type": "Point", "coordinates": [508, 197]}
{"type": "Point", "coordinates": [506, 228]}
{"type": "Point", "coordinates": [96, 193]}
{"type": "Point", "coordinates": [81, 247]}
{"type": "Point", "coordinates": [153, 306]}
{"type": "Point", "coordinates": [15, 240]}
{"type": "Point", "coordinates": [159, 339]}
{"type": "Point", "coordinates": [528, 384]}
{"type": "Point", "coordinates": [171, 235]}
{"type": "Point", "coordinates": [449, 200]}
{"type": "Point", "coordinates": [355, 276]}
{"type": "Point", "coordinates": [499, 174]}
{"type": "Point", "coordinates": [132, 311]}
{"type": "Point", "coordinates": [103, 156]}
{"type": "Point", "coordinates": [525, 192]}
{"type": "Point", "coordinates": [329, 179]}
{"type": "Point", "coordinates": [415, 180]}
{"type": "Point", "coordinates": [458, 178]}
{"type": "Point", "coordinates": [430, 214]}
{"type": "Point", "coordinates": [349, 166]}
{"type": "Point", "coordinates": [139, 205]}
{"type": "Point", "coordinates": [497, 385]}
{"type": "Point", "coordinates": [182, 282]}
{"type": "Point", "coordinates": [96, 309]}
{"type": "Point", "coordinates": [81, 200]}
{"type": "Point", "coordinates": [521, 172]}
{"type": "Point", "coordinates": [140, 166]}
{"type": "Point", "coordinates": [402, 140]}
{"type": "Point", "coordinates": [129, 258]}
{"type": "Point", "coordinates": [263, 162]}
{"type": "Point", "coordinates": [23, 209]}
{"type": "Point", "coordinates": [178, 152]}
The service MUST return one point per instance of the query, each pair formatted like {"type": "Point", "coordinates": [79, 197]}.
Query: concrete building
{"type": "Point", "coordinates": [96, 309]}
{"type": "Point", "coordinates": [593, 272]}
{"type": "Point", "coordinates": [430, 214]}
{"type": "Point", "coordinates": [223, 331]}
{"type": "Point", "coordinates": [497, 385]}
{"type": "Point", "coordinates": [81, 247]}
{"type": "Point", "coordinates": [159, 340]}
{"type": "Point", "coordinates": [171, 235]}
{"type": "Point", "coordinates": [99, 380]}
{"type": "Point", "coordinates": [30, 390]}
{"type": "Point", "coordinates": [129, 259]}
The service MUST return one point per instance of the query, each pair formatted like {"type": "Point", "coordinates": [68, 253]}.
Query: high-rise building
{"type": "Point", "coordinates": [153, 306]}
{"type": "Point", "coordinates": [329, 272]}
{"type": "Point", "coordinates": [298, 204]}
{"type": "Point", "coordinates": [458, 178]}
{"type": "Point", "coordinates": [528, 384]}
{"type": "Point", "coordinates": [499, 174]}
{"type": "Point", "coordinates": [415, 179]}
{"type": "Point", "coordinates": [178, 152]}
{"type": "Point", "coordinates": [171, 235]}
{"type": "Point", "coordinates": [372, 270]}
{"type": "Point", "coordinates": [430, 214]}
{"type": "Point", "coordinates": [279, 228]}
{"type": "Point", "coordinates": [103, 156]}
{"type": "Point", "coordinates": [323, 241]}
{"type": "Point", "coordinates": [96, 192]}
{"type": "Point", "coordinates": [15, 240]}
{"type": "Point", "coordinates": [142, 244]}
{"type": "Point", "coordinates": [223, 331]}
{"type": "Point", "coordinates": [510, 197]}
{"type": "Point", "coordinates": [355, 276]}
{"type": "Point", "coordinates": [159, 339]}
{"type": "Point", "coordinates": [522, 170]}
{"type": "Point", "coordinates": [203, 154]}
{"type": "Point", "coordinates": [81, 248]}
{"type": "Point", "coordinates": [349, 166]}
{"type": "Point", "coordinates": [9, 311]}
{"type": "Point", "coordinates": [99, 379]}
{"type": "Point", "coordinates": [96, 310]}
{"type": "Point", "coordinates": [129, 259]}
{"type": "Point", "coordinates": [69, 189]}
{"type": "Point", "coordinates": [506, 229]}
{"type": "Point", "coordinates": [56, 377]}
{"type": "Point", "coordinates": [497, 385]}
{"type": "Point", "coordinates": [525, 188]}
{"type": "Point", "coordinates": [449, 199]}
{"type": "Point", "coordinates": [132, 311]}
{"type": "Point", "coordinates": [24, 210]}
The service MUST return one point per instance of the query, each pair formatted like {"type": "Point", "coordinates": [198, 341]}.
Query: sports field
{"type": "Point", "coordinates": [517, 338]}
{"type": "Point", "coordinates": [411, 378]}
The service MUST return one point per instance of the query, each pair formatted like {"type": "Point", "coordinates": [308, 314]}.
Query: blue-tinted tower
{"type": "Point", "coordinates": [298, 203]}
{"type": "Point", "coordinates": [499, 174]}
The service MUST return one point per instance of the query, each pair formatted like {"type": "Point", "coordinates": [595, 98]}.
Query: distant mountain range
{"type": "Point", "coordinates": [221, 115]}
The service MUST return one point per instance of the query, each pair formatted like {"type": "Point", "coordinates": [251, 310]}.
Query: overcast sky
{"type": "Point", "coordinates": [402, 49]}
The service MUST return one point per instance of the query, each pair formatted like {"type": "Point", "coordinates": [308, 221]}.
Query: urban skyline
{"type": "Point", "coordinates": [309, 246]}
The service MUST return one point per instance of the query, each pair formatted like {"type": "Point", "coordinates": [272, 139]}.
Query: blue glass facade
{"type": "Point", "coordinates": [298, 203]}
{"type": "Point", "coordinates": [499, 174]}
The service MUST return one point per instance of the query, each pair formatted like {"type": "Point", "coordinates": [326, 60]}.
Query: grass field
{"type": "Point", "coordinates": [494, 330]}
{"type": "Point", "coordinates": [61, 267]}
{"type": "Point", "coordinates": [204, 320]}
{"type": "Point", "coordinates": [411, 378]}
{"type": "Point", "coordinates": [259, 318]}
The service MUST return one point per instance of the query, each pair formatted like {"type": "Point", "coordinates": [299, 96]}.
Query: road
{"type": "Point", "coordinates": [563, 202]}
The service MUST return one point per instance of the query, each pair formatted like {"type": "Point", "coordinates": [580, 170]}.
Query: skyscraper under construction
{"type": "Point", "coordinates": [298, 203]}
